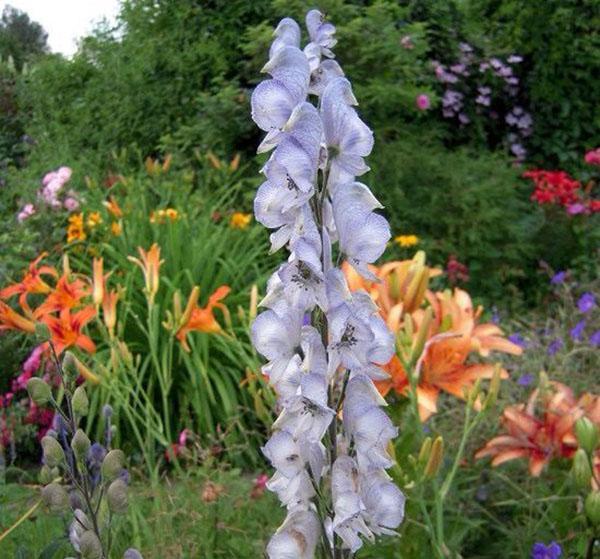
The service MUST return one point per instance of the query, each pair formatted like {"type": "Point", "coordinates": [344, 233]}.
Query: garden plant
{"type": "Point", "coordinates": [212, 350]}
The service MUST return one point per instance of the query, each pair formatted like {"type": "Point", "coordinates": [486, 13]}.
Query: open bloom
{"type": "Point", "coordinates": [539, 438]}
{"type": "Point", "coordinates": [150, 263]}
{"type": "Point", "coordinates": [202, 319]}
{"type": "Point", "coordinates": [66, 329]}
{"type": "Point", "coordinates": [32, 283]}
{"type": "Point", "coordinates": [240, 220]}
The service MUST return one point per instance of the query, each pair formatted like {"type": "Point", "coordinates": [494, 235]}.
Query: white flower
{"type": "Point", "coordinates": [296, 538]}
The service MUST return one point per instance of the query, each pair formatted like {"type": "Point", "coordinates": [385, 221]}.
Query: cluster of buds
{"type": "Point", "coordinates": [324, 344]}
{"type": "Point", "coordinates": [84, 483]}
{"type": "Point", "coordinates": [586, 466]}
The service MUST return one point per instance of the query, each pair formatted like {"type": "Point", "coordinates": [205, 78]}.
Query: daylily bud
{"type": "Point", "coordinates": [55, 497]}
{"type": "Point", "coordinates": [253, 302]}
{"type": "Point", "coordinates": [48, 475]}
{"type": "Point", "coordinates": [54, 455]}
{"type": "Point", "coordinates": [422, 334]}
{"type": "Point", "coordinates": [112, 464]}
{"type": "Point", "coordinates": [116, 496]}
{"type": "Point", "coordinates": [80, 444]}
{"type": "Point", "coordinates": [80, 402]}
{"type": "Point", "coordinates": [592, 507]}
{"type": "Point", "coordinates": [581, 471]}
{"type": "Point", "coordinates": [435, 458]}
{"type": "Point", "coordinates": [425, 452]}
{"type": "Point", "coordinates": [473, 393]}
{"type": "Point", "coordinates": [42, 332]}
{"type": "Point", "coordinates": [98, 281]}
{"type": "Point", "coordinates": [587, 435]}
{"type": "Point", "coordinates": [492, 395]}
{"type": "Point", "coordinates": [90, 546]}
{"type": "Point", "coordinates": [39, 391]}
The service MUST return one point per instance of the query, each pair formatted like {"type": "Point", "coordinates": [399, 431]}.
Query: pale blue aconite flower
{"type": "Point", "coordinates": [273, 101]}
{"type": "Point", "coordinates": [363, 234]}
{"type": "Point", "coordinates": [348, 139]}
{"type": "Point", "coordinates": [358, 336]}
{"type": "Point", "coordinates": [296, 538]}
{"type": "Point", "coordinates": [287, 34]}
{"type": "Point", "coordinates": [311, 201]}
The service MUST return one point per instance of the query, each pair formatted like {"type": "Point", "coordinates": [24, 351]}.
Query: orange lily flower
{"type": "Point", "coordinates": [113, 207]}
{"type": "Point", "coordinates": [66, 295]}
{"type": "Point", "coordinates": [12, 320]}
{"type": "Point", "coordinates": [66, 329]}
{"type": "Point", "coordinates": [202, 319]}
{"type": "Point", "coordinates": [32, 282]}
{"type": "Point", "coordinates": [150, 264]}
{"type": "Point", "coordinates": [539, 439]}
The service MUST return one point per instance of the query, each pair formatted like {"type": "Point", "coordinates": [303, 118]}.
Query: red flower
{"type": "Point", "coordinates": [553, 187]}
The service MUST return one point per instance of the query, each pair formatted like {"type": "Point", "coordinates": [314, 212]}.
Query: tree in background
{"type": "Point", "coordinates": [21, 38]}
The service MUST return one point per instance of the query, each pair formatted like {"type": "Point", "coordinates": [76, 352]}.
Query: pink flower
{"type": "Point", "coordinates": [260, 484]}
{"type": "Point", "coordinates": [592, 157]}
{"type": "Point", "coordinates": [32, 363]}
{"type": "Point", "coordinates": [71, 204]}
{"type": "Point", "coordinates": [576, 208]}
{"type": "Point", "coordinates": [422, 102]}
{"type": "Point", "coordinates": [64, 174]}
{"type": "Point", "coordinates": [27, 211]}
{"type": "Point", "coordinates": [406, 42]}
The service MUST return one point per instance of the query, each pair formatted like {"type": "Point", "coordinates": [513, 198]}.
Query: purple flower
{"type": "Point", "coordinates": [518, 340]}
{"type": "Point", "coordinates": [559, 277]}
{"type": "Point", "coordinates": [514, 59]}
{"type": "Point", "coordinates": [595, 338]}
{"type": "Point", "coordinates": [525, 380]}
{"type": "Point", "coordinates": [464, 118]}
{"type": "Point", "coordinates": [422, 102]}
{"type": "Point", "coordinates": [542, 551]}
{"type": "Point", "coordinates": [576, 208]}
{"type": "Point", "coordinates": [554, 346]}
{"type": "Point", "coordinates": [586, 302]}
{"type": "Point", "coordinates": [577, 331]}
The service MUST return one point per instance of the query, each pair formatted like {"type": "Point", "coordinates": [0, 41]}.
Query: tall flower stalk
{"type": "Point", "coordinates": [324, 344]}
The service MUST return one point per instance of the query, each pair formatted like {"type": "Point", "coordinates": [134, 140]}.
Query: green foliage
{"type": "Point", "coordinates": [561, 46]}
{"type": "Point", "coordinates": [473, 206]}
{"type": "Point", "coordinates": [20, 38]}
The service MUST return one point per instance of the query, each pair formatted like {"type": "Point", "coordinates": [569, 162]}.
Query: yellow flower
{"type": "Point", "coordinates": [406, 240]}
{"type": "Point", "coordinates": [94, 219]}
{"type": "Point", "coordinates": [240, 220]}
{"type": "Point", "coordinates": [116, 228]}
{"type": "Point", "coordinates": [75, 229]}
{"type": "Point", "coordinates": [161, 216]}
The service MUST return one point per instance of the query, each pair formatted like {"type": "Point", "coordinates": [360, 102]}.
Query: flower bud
{"type": "Point", "coordinates": [80, 444]}
{"type": "Point", "coordinates": [435, 458]}
{"type": "Point", "coordinates": [39, 391]}
{"type": "Point", "coordinates": [90, 546]}
{"type": "Point", "coordinates": [48, 475]}
{"type": "Point", "coordinates": [425, 452]}
{"type": "Point", "coordinates": [592, 507]}
{"type": "Point", "coordinates": [69, 366]}
{"type": "Point", "coordinates": [581, 471]}
{"type": "Point", "coordinates": [55, 497]}
{"type": "Point", "coordinates": [54, 455]}
{"type": "Point", "coordinates": [116, 497]}
{"type": "Point", "coordinates": [80, 402]}
{"type": "Point", "coordinates": [132, 554]}
{"type": "Point", "coordinates": [42, 332]}
{"type": "Point", "coordinates": [422, 335]}
{"type": "Point", "coordinates": [587, 435]}
{"type": "Point", "coordinates": [492, 394]}
{"type": "Point", "coordinates": [112, 464]}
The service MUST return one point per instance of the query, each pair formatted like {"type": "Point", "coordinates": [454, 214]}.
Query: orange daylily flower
{"type": "Point", "coordinates": [66, 329]}
{"type": "Point", "coordinates": [150, 264]}
{"type": "Point", "coordinates": [240, 220]}
{"type": "Point", "coordinates": [66, 295]}
{"type": "Point", "coordinates": [32, 282]}
{"type": "Point", "coordinates": [12, 320]}
{"type": "Point", "coordinates": [451, 336]}
{"type": "Point", "coordinates": [202, 319]}
{"type": "Point", "coordinates": [537, 438]}
{"type": "Point", "coordinates": [113, 207]}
